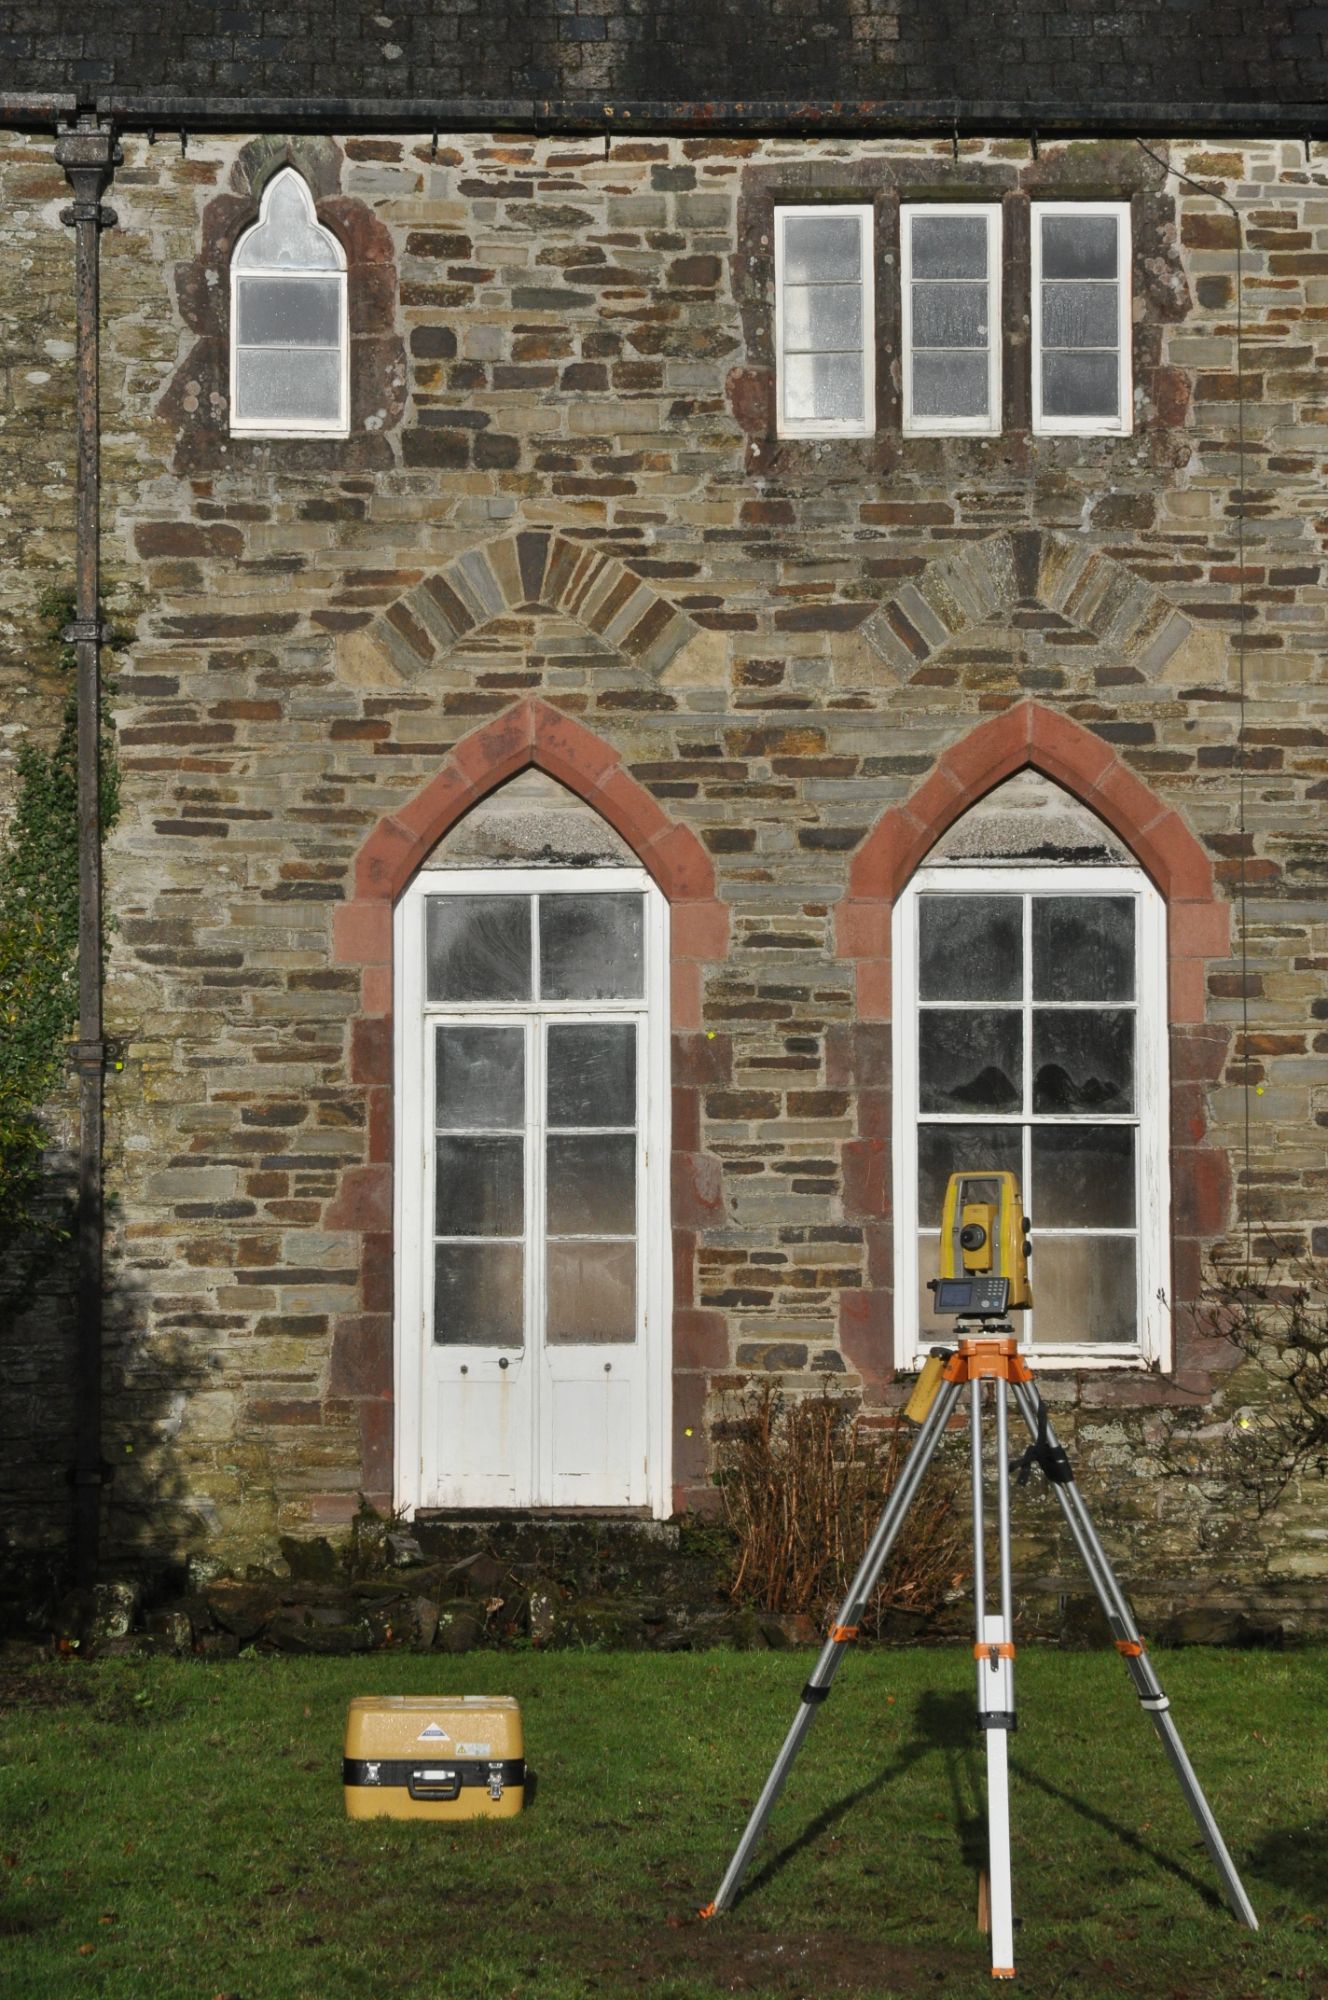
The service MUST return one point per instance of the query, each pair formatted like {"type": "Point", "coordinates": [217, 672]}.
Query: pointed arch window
{"type": "Point", "coordinates": [1031, 1034]}
{"type": "Point", "coordinates": [289, 344]}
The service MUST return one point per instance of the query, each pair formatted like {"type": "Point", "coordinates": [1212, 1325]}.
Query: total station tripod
{"type": "Point", "coordinates": [988, 1360]}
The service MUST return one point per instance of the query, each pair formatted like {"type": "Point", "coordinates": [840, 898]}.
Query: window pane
{"type": "Point", "coordinates": [949, 246]}
{"type": "Point", "coordinates": [1080, 385]}
{"type": "Point", "coordinates": [592, 1186]}
{"type": "Point", "coordinates": [970, 947]}
{"type": "Point", "coordinates": [1083, 1061]}
{"type": "Point", "coordinates": [823, 388]}
{"type": "Point", "coordinates": [277, 385]}
{"type": "Point", "coordinates": [478, 947]}
{"type": "Point", "coordinates": [1079, 246]}
{"type": "Point", "coordinates": [592, 947]}
{"type": "Point", "coordinates": [592, 1073]}
{"type": "Point", "coordinates": [962, 1149]}
{"type": "Point", "coordinates": [970, 1061]}
{"type": "Point", "coordinates": [592, 1293]}
{"type": "Point", "coordinates": [478, 1295]}
{"type": "Point", "coordinates": [478, 1187]}
{"type": "Point", "coordinates": [1080, 316]}
{"type": "Point", "coordinates": [817, 247]}
{"type": "Point", "coordinates": [950, 316]}
{"type": "Point", "coordinates": [1084, 1288]}
{"type": "Point", "coordinates": [301, 312]}
{"type": "Point", "coordinates": [950, 383]}
{"type": "Point", "coordinates": [479, 1077]}
{"type": "Point", "coordinates": [289, 232]}
{"type": "Point", "coordinates": [1083, 1177]}
{"type": "Point", "coordinates": [1083, 947]}
{"type": "Point", "coordinates": [822, 316]}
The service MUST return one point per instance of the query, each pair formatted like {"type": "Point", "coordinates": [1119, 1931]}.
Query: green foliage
{"type": "Point", "coordinates": [39, 938]}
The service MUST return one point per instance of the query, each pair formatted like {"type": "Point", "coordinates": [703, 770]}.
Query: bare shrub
{"type": "Point", "coordinates": [1277, 1318]}
{"type": "Point", "coordinates": [804, 1481]}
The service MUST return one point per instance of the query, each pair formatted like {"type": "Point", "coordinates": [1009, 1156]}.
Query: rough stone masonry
{"type": "Point", "coordinates": [563, 533]}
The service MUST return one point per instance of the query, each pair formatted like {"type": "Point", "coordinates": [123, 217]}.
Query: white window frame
{"type": "Point", "coordinates": [809, 427]}
{"type": "Point", "coordinates": [1123, 424]}
{"type": "Point", "coordinates": [915, 426]}
{"type": "Point", "coordinates": [1151, 1117]}
{"type": "Point", "coordinates": [413, 1148]}
{"type": "Point", "coordinates": [266, 427]}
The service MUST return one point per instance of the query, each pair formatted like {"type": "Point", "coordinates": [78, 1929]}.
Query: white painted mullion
{"type": "Point", "coordinates": [536, 1254]}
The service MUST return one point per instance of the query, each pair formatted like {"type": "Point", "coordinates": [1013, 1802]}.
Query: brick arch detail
{"type": "Point", "coordinates": [534, 567]}
{"type": "Point", "coordinates": [531, 733]}
{"type": "Point", "coordinates": [1198, 931]}
{"type": "Point", "coordinates": [984, 581]}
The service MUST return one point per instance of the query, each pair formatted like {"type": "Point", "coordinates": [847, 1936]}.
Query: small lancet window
{"type": "Point", "coordinates": [288, 320]}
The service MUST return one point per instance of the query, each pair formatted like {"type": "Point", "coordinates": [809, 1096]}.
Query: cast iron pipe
{"type": "Point", "coordinates": [89, 155]}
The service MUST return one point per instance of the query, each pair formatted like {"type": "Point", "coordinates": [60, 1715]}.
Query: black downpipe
{"type": "Point", "coordinates": [89, 155]}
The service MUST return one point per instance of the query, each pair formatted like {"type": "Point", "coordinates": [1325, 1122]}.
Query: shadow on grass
{"type": "Point", "coordinates": [942, 1722]}
{"type": "Point", "coordinates": [1127, 1835]}
{"type": "Point", "coordinates": [1295, 1858]}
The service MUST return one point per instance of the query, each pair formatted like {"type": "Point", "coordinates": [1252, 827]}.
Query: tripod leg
{"type": "Point", "coordinates": [995, 1653]}
{"type": "Point", "coordinates": [1132, 1650]}
{"type": "Point", "coordinates": [823, 1673]}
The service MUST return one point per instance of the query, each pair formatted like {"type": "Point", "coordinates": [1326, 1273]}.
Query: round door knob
{"type": "Point", "coordinates": [608, 1368]}
{"type": "Point", "coordinates": [503, 1361]}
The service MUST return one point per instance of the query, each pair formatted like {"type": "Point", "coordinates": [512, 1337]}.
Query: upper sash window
{"type": "Point", "coordinates": [1081, 317]}
{"type": "Point", "coordinates": [824, 322]}
{"type": "Point", "coordinates": [288, 320]}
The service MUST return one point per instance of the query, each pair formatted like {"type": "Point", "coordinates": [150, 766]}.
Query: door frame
{"type": "Point", "coordinates": [410, 1334]}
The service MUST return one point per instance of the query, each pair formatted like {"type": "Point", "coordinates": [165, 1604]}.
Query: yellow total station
{"type": "Point", "coordinates": [984, 1234]}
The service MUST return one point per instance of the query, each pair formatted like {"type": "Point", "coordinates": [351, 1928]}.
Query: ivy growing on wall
{"type": "Point", "coordinates": [39, 948]}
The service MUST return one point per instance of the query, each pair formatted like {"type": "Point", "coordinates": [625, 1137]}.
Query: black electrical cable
{"type": "Point", "coordinates": [1232, 209]}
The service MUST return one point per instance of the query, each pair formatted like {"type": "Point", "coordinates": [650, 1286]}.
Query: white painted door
{"type": "Point", "coordinates": [532, 1275]}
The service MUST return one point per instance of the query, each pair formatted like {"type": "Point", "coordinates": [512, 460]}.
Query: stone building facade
{"type": "Point", "coordinates": [564, 595]}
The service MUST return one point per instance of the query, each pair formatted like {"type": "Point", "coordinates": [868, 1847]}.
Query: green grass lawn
{"type": "Point", "coordinates": [176, 1829]}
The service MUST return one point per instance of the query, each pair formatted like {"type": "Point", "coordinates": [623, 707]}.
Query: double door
{"type": "Point", "coordinates": [532, 1234]}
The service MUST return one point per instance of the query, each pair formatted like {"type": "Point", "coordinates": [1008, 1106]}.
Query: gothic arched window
{"type": "Point", "coordinates": [289, 346]}
{"type": "Point", "coordinates": [1031, 1035]}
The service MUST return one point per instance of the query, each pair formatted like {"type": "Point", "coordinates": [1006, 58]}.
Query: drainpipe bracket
{"type": "Point", "coordinates": [89, 1058]}
{"type": "Point", "coordinates": [89, 211]}
{"type": "Point", "coordinates": [85, 631]}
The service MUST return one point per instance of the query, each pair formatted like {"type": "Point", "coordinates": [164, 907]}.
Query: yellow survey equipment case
{"type": "Point", "coordinates": [414, 1756]}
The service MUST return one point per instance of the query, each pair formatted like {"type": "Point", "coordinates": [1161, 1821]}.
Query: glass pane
{"type": "Point", "coordinates": [301, 312]}
{"type": "Point", "coordinates": [962, 1149]}
{"type": "Point", "coordinates": [1080, 385]}
{"type": "Point", "coordinates": [592, 1186]}
{"type": "Point", "coordinates": [1083, 1177]}
{"type": "Point", "coordinates": [1080, 316]}
{"type": "Point", "coordinates": [478, 1295]}
{"type": "Point", "coordinates": [479, 1077]}
{"type": "Point", "coordinates": [1084, 1288]}
{"type": "Point", "coordinates": [289, 232]}
{"type": "Point", "coordinates": [817, 247]}
{"type": "Point", "coordinates": [970, 947]}
{"type": "Point", "coordinates": [1083, 947]}
{"type": "Point", "coordinates": [949, 246]}
{"type": "Point", "coordinates": [592, 1293]}
{"type": "Point", "coordinates": [478, 1187]}
{"type": "Point", "coordinates": [478, 947]}
{"type": "Point", "coordinates": [822, 316]}
{"type": "Point", "coordinates": [277, 385]}
{"type": "Point", "coordinates": [823, 388]}
{"type": "Point", "coordinates": [592, 947]}
{"type": "Point", "coordinates": [1079, 246]}
{"type": "Point", "coordinates": [950, 315]}
{"type": "Point", "coordinates": [970, 1061]}
{"type": "Point", "coordinates": [1083, 1061]}
{"type": "Point", "coordinates": [950, 383]}
{"type": "Point", "coordinates": [592, 1073]}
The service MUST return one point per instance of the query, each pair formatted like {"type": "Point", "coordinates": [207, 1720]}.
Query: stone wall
{"type": "Point", "coordinates": [564, 534]}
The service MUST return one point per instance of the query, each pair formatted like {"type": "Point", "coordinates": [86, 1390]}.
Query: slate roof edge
{"type": "Point", "coordinates": [737, 118]}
